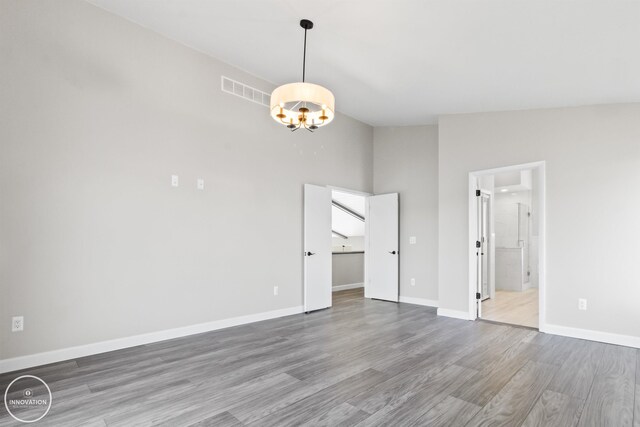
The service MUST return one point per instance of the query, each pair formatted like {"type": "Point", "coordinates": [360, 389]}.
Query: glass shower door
{"type": "Point", "coordinates": [484, 249]}
{"type": "Point", "coordinates": [524, 216]}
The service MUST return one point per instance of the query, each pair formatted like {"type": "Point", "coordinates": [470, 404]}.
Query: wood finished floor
{"type": "Point", "coordinates": [362, 363]}
{"type": "Point", "coordinates": [515, 308]}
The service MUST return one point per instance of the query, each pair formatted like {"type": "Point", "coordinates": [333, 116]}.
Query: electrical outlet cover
{"type": "Point", "coordinates": [17, 323]}
{"type": "Point", "coordinates": [582, 304]}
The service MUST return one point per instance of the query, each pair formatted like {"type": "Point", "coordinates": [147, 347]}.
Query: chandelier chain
{"type": "Point", "coordinates": [304, 55]}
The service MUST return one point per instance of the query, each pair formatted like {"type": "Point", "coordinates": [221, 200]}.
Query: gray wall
{"type": "Point", "coordinates": [406, 161]}
{"type": "Point", "coordinates": [96, 113]}
{"type": "Point", "coordinates": [592, 159]}
{"type": "Point", "coordinates": [347, 269]}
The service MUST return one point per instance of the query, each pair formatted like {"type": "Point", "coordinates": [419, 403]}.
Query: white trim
{"type": "Point", "coordinates": [456, 314]}
{"type": "Point", "coordinates": [586, 334]}
{"type": "Point", "coordinates": [542, 247]}
{"type": "Point", "coordinates": [367, 254]}
{"type": "Point", "coordinates": [473, 176]}
{"type": "Point", "coordinates": [347, 286]}
{"type": "Point", "coordinates": [419, 301]}
{"type": "Point", "coordinates": [531, 165]}
{"type": "Point", "coordinates": [350, 191]}
{"type": "Point", "coordinates": [473, 231]}
{"type": "Point", "coordinates": [38, 359]}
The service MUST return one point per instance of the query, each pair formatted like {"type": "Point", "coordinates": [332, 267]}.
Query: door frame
{"type": "Point", "coordinates": [540, 166]}
{"type": "Point", "coordinates": [485, 249]}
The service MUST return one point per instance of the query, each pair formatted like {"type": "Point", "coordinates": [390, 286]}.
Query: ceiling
{"type": "Point", "coordinates": [405, 62]}
{"type": "Point", "coordinates": [341, 221]}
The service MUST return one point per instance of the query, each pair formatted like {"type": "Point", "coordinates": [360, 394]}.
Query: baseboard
{"type": "Point", "coordinates": [38, 359]}
{"type": "Point", "coordinates": [419, 301]}
{"type": "Point", "coordinates": [456, 314]}
{"type": "Point", "coordinates": [347, 286]}
{"type": "Point", "coordinates": [586, 334]}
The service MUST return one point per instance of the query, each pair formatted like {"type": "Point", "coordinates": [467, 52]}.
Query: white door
{"type": "Point", "coordinates": [482, 249]}
{"type": "Point", "coordinates": [382, 255]}
{"type": "Point", "coordinates": [317, 247]}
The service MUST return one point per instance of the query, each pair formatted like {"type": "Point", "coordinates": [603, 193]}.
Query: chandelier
{"type": "Point", "coordinates": [302, 105]}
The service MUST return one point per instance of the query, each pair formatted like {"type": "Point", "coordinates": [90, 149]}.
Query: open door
{"type": "Point", "coordinates": [382, 255]}
{"type": "Point", "coordinates": [482, 249]}
{"type": "Point", "coordinates": [317, 247]}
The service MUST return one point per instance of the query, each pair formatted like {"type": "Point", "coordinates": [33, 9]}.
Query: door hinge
{"type": "Point", "coordinates": [478, 296]}
{"type": "Point", "coordinates": [478, 193]}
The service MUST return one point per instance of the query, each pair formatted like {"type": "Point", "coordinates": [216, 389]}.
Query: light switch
{"type": "Point", "coordinates": [412, 240]}
{"type": "Point", "coordinates": [200, 184]}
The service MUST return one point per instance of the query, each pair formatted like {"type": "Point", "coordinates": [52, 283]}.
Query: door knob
{"type": "Point", "coordinates": [310, 253]}
{"type": "Point", "coordinates": [392, 252]}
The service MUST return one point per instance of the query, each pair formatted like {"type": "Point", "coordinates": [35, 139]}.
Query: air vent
{"type": "Point", "coordinates": [246, 92]}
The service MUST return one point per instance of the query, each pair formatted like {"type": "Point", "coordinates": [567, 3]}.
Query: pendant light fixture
{"type": "Point", "coordinates": [303, 105]}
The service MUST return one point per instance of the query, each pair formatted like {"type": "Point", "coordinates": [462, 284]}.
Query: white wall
{"type": "Point", "coordinates": [592, 159]}
{"type": "Point", "coordinates": [96, 113]}
{"type": "Point", "coordinates": [506, 217]}
{"type": "Point", "coordinates": [405, 161]}
{"type": "Point", "coordinates": [347, 269]}
{"type": "Point", "coordinates": [509, 272]}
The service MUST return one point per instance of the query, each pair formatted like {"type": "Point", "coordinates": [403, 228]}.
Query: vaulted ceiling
{"type": "Point", "coordinates": [342, 222]}
{"type": "Point", "coordinates": [405, 62]}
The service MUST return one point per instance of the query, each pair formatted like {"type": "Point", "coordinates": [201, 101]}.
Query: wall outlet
{"type": "Point", "coordinates": [17, 323]}
{"type": "Point", "coordinates": [413, 281]}
{"type": "Point", "coordinates": [275, 291]}
{"type": "Point", "coordinates": [200, 184]}
{"type": "Point", "coordinates": [412, 240]}
{"type": "Point", "coordinates": [174, 180]}
{"type": "Point", "coordinates": [582, 304]}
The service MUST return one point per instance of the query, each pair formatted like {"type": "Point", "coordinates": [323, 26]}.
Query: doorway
{"type": "Point", "coordinates": [350, 245]}
{"type": "Point", "coordinates": [506, 233]}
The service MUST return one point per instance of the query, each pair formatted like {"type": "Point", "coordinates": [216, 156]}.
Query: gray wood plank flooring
{"type": "Point", "coordinates": [636, 413]}
{"type": "Point", "coordinates": [360, 363]}
{"type": "Point", "coordinates": [554, 409]}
